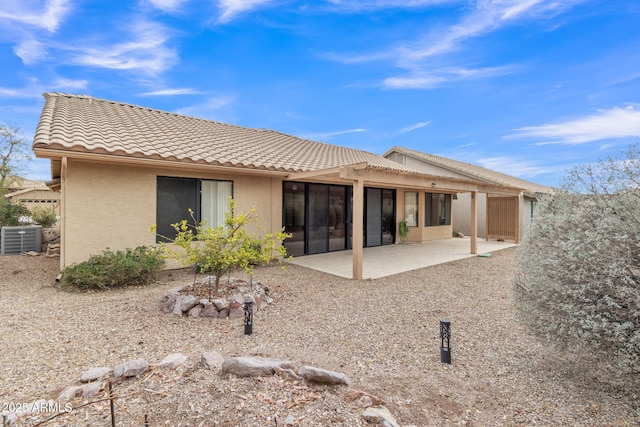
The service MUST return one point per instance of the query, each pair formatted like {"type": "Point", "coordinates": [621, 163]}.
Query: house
{"type": "Point", "coordinates": [121, 168]}
{"type": "Point", "coordinates": [31, 193]}
{"type": "Point", "coordinates": [500, 216]}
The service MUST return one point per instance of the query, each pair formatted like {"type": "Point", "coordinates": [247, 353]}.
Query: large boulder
{"type": "Point", "coordinates": [319, 375]}
{"type": "Point", "coordinates": [253, 366]}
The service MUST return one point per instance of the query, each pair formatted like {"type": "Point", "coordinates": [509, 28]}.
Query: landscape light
{"type": "Point", "coordinates": [445, 336]}
{"type": "Point", "coordinates": [248, 316]}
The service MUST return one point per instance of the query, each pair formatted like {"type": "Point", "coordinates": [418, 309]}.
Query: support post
{"type": "Point", "coordinates": [474, 222]}
{"type": "Point", "coordinates": [357, 229]}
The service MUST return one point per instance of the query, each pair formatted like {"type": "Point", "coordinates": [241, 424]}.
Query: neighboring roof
{"type": "Point", "coordinates": [472, 171]}
{"type": "Point", "coordinates": [16, 183]}
{"type": "Point", "coordinates": [83, 124]}
{"type": "Point", "coordinates": [26, 191]}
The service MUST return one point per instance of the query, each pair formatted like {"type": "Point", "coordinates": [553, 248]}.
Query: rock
{"type": "Point", "coordinates": [460, 235]}
{"type": "Point", "coordinates": [70, 392]}
{"type": "Point", "coordinates": [324, 376]}
{"type": "Point", "coordinates": [132, 368]}
{"type": "Point", "coordinates": [236, 311]}
{"type": "Point", "coordinates": [172, 360]}
{"type": "Point", "coordinates": [212, 360]}
{"type": "Point", "coordinates": [195, 311]}
{"type": "Point", "coordinates": [264, 300]}
{"type": "Point", "coordinates": [204, 302]}
{"type": "Point", "coordinates": [224, 313]}
{"type": "Point", "coordinates": [209, 311]}
{"type": "Point", "coordinates": [355, 394]}
{"type": "Point", "coordinates": [177, 308]}
{"type": "Point", "coordinates": [92, 389]}
{"type": "Point", "coordinates": [237, 298]}
{"type": "Point", "coordinates": [169, 304]}
{"type": "Point", "coordinates": [175, 291]}
{"type": "Point", "coordinates": [53, 249]}
{"type": "Point", "coordinates": [380, 415]}
{"type": "Point", "coordinates": [253, 366]}
{"type": "Point", "coordinates": [220, 303]}
{"type": "Point", "coordinates": [187, 303]}
{"type": "Point", "coordinates": [289, 421]}
{"type": "Point", "coordinates": [365, 401]}
{"type": "Point", "coordinates": [93, 374]}
{"type": "Point", "coordinates": [51, 235]}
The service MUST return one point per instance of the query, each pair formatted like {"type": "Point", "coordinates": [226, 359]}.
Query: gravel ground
{"type": "Point", "coordinates": [382, 333]}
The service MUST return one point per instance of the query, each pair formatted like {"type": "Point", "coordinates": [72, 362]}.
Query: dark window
{"type": "Point", "coordinates": [437, 209]}
{"type": "Point", "coordinates": [208, 199]}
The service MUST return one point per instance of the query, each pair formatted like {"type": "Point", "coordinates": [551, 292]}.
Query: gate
{"type": "Point", "coordinates": [503, 218]}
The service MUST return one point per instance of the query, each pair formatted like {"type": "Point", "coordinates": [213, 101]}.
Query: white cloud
{"type": "Point", "coordinates": [48, 14]}
{"type": "Point", "coordinates": [231, 8]}
{"type": "Point", "coordinates": [330, 134]}
{"type": "Point", "coordinates": [146, 52]}
{"type": "Point", "coordinates": [30, 51]}
{"type": "Point", "coordinates": [171, 92]}
{"type": "Point", "coordinates": [205, 108]}
{"type": "Point", "coordinates": [359, 5]}
{"type": "Point", "coordinates": [414, 127]}
{"type": "Point", "coordinates": [606, 124]}
{"type": "Point", "coordinates": [488, 15]}
{"type": "Point", "coordinates": [515, 167]}
{"type": "Point", "coordinates": [168, 5]}
{"type": "Point", "coordinates": [62, 83]}
{"type": "Point", "coordinates": [426, 80]}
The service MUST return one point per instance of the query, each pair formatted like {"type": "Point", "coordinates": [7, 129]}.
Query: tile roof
{"type": "Point", "coordinates": [473, 171]}
{"type": "Point", "coordinates": [80, 123]}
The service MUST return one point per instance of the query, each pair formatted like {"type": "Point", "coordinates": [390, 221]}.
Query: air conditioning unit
{"type": "Point", "coordinates": [16, 240]}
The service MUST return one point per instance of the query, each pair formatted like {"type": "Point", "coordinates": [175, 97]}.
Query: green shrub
{"type": "Point", "coordinates": [46, 216]}
{"type": "Point", "coordinates": [130, 267]}
{"type": "Point", "coordinates": [11, 214]}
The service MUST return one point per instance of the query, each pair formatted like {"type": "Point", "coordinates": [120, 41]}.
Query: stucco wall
{"type": "Point", "coordinates": [461, 214]}
{"type": "Point", "coordinates": [110, 206]}
{"type": "Point", "coordinates": [421, 233]}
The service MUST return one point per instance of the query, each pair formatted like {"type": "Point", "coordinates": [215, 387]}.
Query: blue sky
{"type": "Point", "coordinates": [525, 87]}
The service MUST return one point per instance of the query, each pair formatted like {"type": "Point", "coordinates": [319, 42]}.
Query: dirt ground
{"type": "Point", "coordinates": [383, 334]}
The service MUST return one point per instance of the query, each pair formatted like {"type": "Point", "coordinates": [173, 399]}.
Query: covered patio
{"type": "Point", "coordinates": [382, 261]}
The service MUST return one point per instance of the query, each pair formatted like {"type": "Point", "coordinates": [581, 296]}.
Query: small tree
{"type": "Point", "coordinates": [221, 249]}
{"type": "Point", "coordinates": [13, 150]}
{"type": "Point", "coordinates": [580, 261]}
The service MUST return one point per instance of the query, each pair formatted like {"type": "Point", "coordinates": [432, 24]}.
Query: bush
{"type": "Point", "coordinates": [46, 216]}
{"type": "Point", "coordinates": [131, 267]}
{"type": "Point", "coordinates": [11, 214]}
{"type": "Point", "coordinates": [579, 283]}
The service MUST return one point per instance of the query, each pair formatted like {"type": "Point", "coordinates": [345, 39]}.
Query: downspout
{"type": "Point", "coordinates": [63, 210]}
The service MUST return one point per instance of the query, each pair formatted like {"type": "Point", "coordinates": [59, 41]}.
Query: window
{"type": "Point", "coordinates": [208, 199]}
{"type": "Point", "coordinates": [411, 208]}
{"type": "Point", "coordinates": [437, 209]}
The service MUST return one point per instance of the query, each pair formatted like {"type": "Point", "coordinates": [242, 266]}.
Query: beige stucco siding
{"type": "Point", "coordinates": [112, 206]}
{"type": "Point", "coordinates": [421, 233]}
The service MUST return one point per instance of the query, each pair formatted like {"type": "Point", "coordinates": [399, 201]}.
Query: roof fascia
{"type": "Point", "coordinates": [145, 162]}
{"type": "Point", "coordinates": [425, 182]}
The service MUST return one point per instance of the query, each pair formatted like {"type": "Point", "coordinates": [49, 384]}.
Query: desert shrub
{"type": "Point", "coordinates": [11, 214]}
{"type": "Point", "coordinates": [46, 216]}
{"type": "Point", "coordinates": [579, 279]}
{"type": "Point", "coordinates": [218, 250]}
{"type": "Point", "coordinates": [115, 269]}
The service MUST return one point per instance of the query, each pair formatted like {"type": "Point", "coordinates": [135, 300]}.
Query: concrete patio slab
{"type": "Point", "coordinates": [382, 261]}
